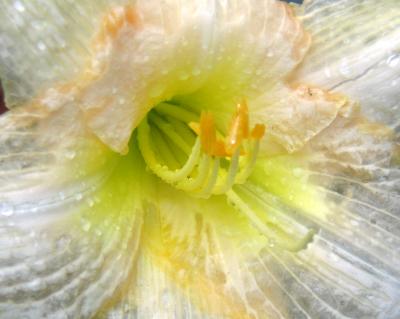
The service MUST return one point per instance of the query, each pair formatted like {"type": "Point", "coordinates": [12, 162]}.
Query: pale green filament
{"type": "Point", "coordinates": [281, 229]}
{"type": "Point", "coordinates": [201, 175]}
{"type": "Point", "coordinates": [169, 131]}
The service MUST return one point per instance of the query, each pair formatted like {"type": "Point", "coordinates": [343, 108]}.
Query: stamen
{"type": "Point", "coordinates": [258, 131]}
{"type": "Point", "coordinates": [208, 133]}
{"type": "Point", "coordinates": [194, 184]}
{"type": "Point", "coordinates": [207, 174]}
{"type": "Point", "coordinates": [250, 162]}
{"type": "Point", "coordinates": [228, 182]}
{"type": "Point", "coordinates": [212, 179]}
{"type": "Point", "coordinates": [282, 229]}
{"type": "Point", "coordinates": [177, 112]}
{"type": "Point", "coordinates": [162, 171]}
{"type": "Point", "coordinates": [239, 128]}
{"type": "Point", "coordinates": [168, 130]}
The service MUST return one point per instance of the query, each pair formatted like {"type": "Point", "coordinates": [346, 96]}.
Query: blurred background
{"type": "Point", "coordinates": [2, 105]}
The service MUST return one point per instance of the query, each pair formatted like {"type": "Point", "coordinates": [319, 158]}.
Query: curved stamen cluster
{"type": "Point", "coordinates": [193, 156]}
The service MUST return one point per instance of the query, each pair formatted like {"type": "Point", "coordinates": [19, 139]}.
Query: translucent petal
{"type": "Point", "coordinates": [69, 226]}
{"type": "Point", "coordinates": [198, 52]}
{"type": "Point", "coordinates": [42, 43]}
{"type": "Point", "coordinates": [206, 53]}
{"type": "Point", "coordinates": [293, 116]}
{"type": "Point", "coordinates": [355, 51]}
{"type": "Point", "coordinates": [204, 259]}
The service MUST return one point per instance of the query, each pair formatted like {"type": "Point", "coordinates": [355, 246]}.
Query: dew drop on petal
{"type": "Point", "coordinates": [183, 76]}
{"type": "Point", "coordinates": [6, 210]}
{"type": "Point", "coordinates": [86, 225]}
{"type": "Point", "coordinates": [393, 60]}
{"type": "Point", "coordinates": [327, 72]}
{"type": "Point", "coordinates": [297, 172]}
{"type": "Point", "coordinates": [19, 6]}
{"type": "Point", "coordinates": [41, 46]}
{"type": "Point", "coordinates": [90, 202]}
{"type": "Point", "coordinates": [196, 71]}
{"type": "Point", "coordinates": [70, 154]}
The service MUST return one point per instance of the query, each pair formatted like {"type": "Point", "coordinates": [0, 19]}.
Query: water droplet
{"type": "Point", "coordinates": [183, 76]}
{"type": "Point", "coordinates": [271, 243]}
{"type": "Point", "coordinates": [90, 202]}
{"type": "Point", "coordinates": [6, 210]}
{"type": "Point", "coordinates": [345, 69]}
{"type": "Point", "coordinates": [181, 273]}
{"type": "Point", "coordinates": [165, 298]}
{"type": "Point", "coordinates": [393, 60]}
{"type": "Point", "coordinates": [334, 257]}
{"type": "Point", "coordinates": [41, 46]}
{"type": "Point", "coordinates": [63, 242]}
{"type": "Point", "coordinates": [86, 225]}
{"type": "Point", "coordinates": [36, 285]}
{"type": "Point", "coordinates": [297, 172]}
{"type": "Point", "coordinates": [70, 154]}
{"type": "Point", "coordinates": [19, 6]}
{"type": "Point", "coordinates": [354, 223]}
{"type": "Point", "coordinates": [196, 72]}
{"type": "Point", "coordinates": [156, 91]}
{"type": "Point", "coordinates": [328, 72]}
{"type": "Point", "coordinates": [98, 232]}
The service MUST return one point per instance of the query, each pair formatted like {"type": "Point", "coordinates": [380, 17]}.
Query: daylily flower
{"type": "Point", "coordinates": [200, 159]}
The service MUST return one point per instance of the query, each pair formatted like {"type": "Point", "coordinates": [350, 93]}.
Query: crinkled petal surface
{"type": "Point", "coordinates": [355, 51]}
{"type": "Point", "coordinates": [88, 233]}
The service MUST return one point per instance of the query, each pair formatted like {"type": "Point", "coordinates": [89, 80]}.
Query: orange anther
{"type": "Point", "coordinates": [258, 131]}
{"type": "Point", "coordinates": [239, 128]}
{"type": "Point", "coordinates": [208, 134]}
{"type": "Point", "coordinates": [219, 149]}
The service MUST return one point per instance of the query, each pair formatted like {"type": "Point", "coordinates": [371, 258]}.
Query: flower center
{"type": "Point", "coordinates": [186, 150]}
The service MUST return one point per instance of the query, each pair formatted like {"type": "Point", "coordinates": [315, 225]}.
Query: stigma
{"type": "Point", "coordinates": [187, 151]}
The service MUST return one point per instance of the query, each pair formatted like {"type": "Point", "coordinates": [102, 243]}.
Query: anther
{"type": "Point", "coordinates": [239, 128]}
{"type": "Point", "coordinates": [215, 163]}
{"type": "Point", "coordinates": [208, 133]}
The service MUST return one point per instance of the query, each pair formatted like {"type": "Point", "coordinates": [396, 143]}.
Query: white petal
{"type": "Point", "coordinates": [356, 51]}
{"type": "Point", "coordinates": [293, 116]}
{"type": "Point", "coordinates": [69, 226]}
{"type": "Point", "coordinates": [205, 53]}
{"type": "Point", "coordinates": [203, 259]}
{"type": "Point", "coordinates": [42, 42]}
